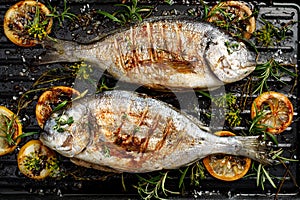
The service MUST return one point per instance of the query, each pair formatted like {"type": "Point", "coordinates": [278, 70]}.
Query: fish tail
{"type": "Point", "coordinates": [57, 50]}
{"type": "Point", "coordinates": [256, 148]}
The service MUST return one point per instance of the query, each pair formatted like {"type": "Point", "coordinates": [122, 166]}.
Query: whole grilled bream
{"type": "Point", "coordinates": [127, 132]}
{"type": "Point", "coordinates": [163, 54]}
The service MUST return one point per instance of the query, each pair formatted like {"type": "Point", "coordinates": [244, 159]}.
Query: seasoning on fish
{"type": "Point", "coordinates": [163, 54]}
{"type": "Point", "coordinates": [127, 132]}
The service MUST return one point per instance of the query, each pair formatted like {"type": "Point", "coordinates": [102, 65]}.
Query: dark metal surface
{"type": "Point", "coordinates": [18, 75]}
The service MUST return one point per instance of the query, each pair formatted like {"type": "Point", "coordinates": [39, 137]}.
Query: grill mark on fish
{"type": "Point", "coordinates": [163, 59]}
{"type": "Point", "coordinates": [179, 40]}
{"type": "Point", "coordinates": [129, 141]}
{"type": "Point", "coordinates": [167, 131]}
{"type": "Point", "coordinates": [150, 42]}
{"type": "Point", "coordinates": [119, 55]}
{"type": "Point", "coordinates": [150, 132]}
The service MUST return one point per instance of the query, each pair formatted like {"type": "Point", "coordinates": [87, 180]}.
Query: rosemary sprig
{"type": "Point", "coordinates": [257, 128]}
{"type": "Point", "coordinates": [129, 14]}
{"type": "Point", "coordinates": [61, 16]}
{"type": "Point", "coordinates": [268, 70]}
{"type": "Point", "coordinates": [7, 130]}
{"type": "Point", "coordinates": [154, 187]}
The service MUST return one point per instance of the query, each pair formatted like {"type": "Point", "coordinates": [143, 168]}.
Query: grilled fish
{"type": "Point", "coordinates": [129, 132]}
{"type": "Point", "coordinates": [163, 54]}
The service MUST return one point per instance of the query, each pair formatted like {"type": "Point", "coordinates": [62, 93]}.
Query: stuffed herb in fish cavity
{"type": "Point", "coordinates": [128, 132]}
{"type": "Point", "coordinates": [163, 54]}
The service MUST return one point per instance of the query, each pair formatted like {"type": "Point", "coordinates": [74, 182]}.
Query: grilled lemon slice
{"type": "Point", "coordinates": [227, 167]}
{"type": "Point", "coordinates": [26, 22]}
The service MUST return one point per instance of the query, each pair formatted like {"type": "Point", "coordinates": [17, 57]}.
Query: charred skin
{"type": "Point", "coordinates": [127, 132]}
{"type": "Point", "coordinates": [165, 53]}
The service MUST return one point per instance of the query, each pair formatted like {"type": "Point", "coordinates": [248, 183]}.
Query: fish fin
{"type": "Point", "coordinates": [255, 148]}
{"type": "Point", "coordinates": [92, 165]}
{"type": "Point", "coordinates": [57, 50]}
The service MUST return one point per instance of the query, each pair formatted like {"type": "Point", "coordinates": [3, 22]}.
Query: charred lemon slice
{"type": "Point", "coordinates": [26, 22]}
{"type": "Point", "coordinates": [35, 160]}
{"type": "Point", "coordinates": [51, 98]}
{"type": "Point", "coordinates": [227, 167]}
{"type": "Point", "coordinates": [10, 129]}
{"type": "Point", "coordinates": [234, 16]}
{"type": "Point", "coordinates": [278, 109]}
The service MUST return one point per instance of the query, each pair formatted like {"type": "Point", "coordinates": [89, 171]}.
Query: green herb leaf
{"type": "Point", "coordinates": [60, 106]}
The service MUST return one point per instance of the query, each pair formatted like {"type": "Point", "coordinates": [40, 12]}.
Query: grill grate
{"type": "Point", "coordinates": [17, 76]}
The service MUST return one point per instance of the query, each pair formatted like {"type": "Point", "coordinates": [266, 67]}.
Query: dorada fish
{"type": "Point", "coordinates": [128, 132]}
{"type": "Point", "coordinates": [163, 54]}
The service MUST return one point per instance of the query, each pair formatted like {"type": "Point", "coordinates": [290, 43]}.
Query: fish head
{"type": "Point", "coordinates": [230, 60]}
{"type": "Point", "coordinates": [67, 131]}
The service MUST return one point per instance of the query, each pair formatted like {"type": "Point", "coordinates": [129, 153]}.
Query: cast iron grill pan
{"type": "Point", "coordinates": [17, 76]}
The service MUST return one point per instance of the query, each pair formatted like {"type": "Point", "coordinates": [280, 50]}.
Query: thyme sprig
{"type": "Point", "coordinates": [271, 69]}
{"type": "Point", "coordinates": [129, 14]}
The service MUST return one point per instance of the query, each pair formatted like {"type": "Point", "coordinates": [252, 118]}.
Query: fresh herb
{"type": "Point", "coordinates": [228, 18]}
{"type": "Point", "coordinates": [37, 27]}
{"type": "Point", "coordinates": [268, 34]}
{"type": "Point", "coordinates": [82, 70]}
{"type": "Point", "coordinates": [170, 2]}
{"type": "Point", "coordinates": [8, 131]}
{"type": "Point", "coordinates": [61, 16]}
{"type": "Point", "coordinates": [262, 174]}
{"type": "Point", "coordinates": [62, 121]}
{"type": "Point", "coordinates": [65, 102]}
{"type": "Point", "coordinates": [268, 70]}
{"type": "Point", "coordinates": [103, 86]}
{"type": "Point", "coordinates": [205, 9]}
{"type": "Point", "coordinates": [228, 101]}
{"type": "Point", "coordinates": [106, 151]}
{"type": "Point", "coordinates": [231, 47]}
{"type": "Point", "coordinates": [129, 14]}
{"type": "Point", "coordinates": [257, 128]}
{"type": "Point", "coordinates": [36, 163]}
{"type": "Point", "coordinates": [197, 173]}
{"type": "Point", "coordinates": [154, 186]}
